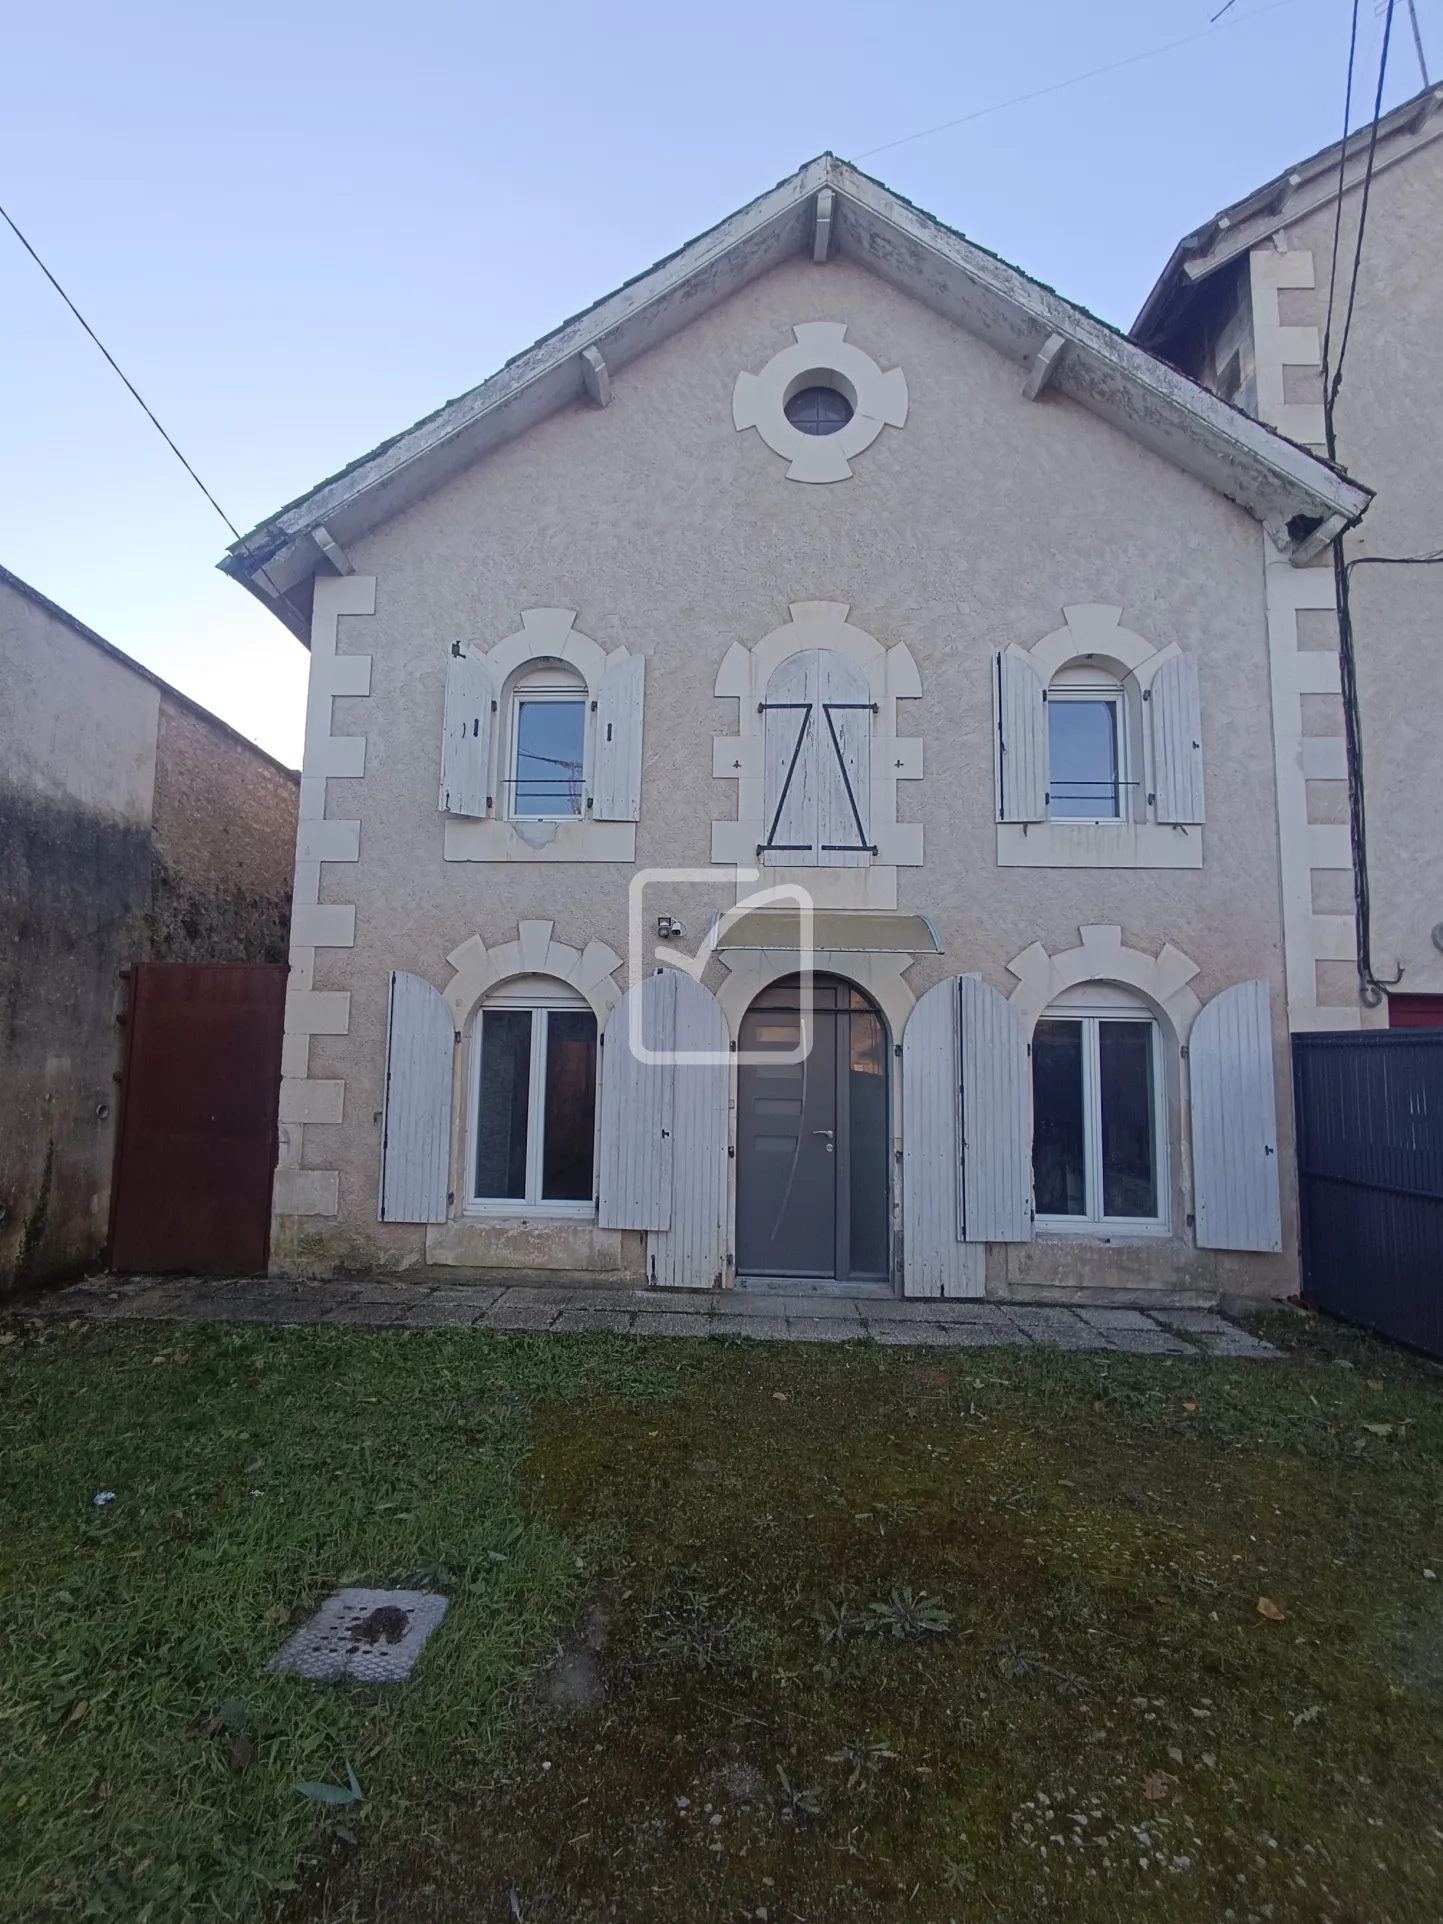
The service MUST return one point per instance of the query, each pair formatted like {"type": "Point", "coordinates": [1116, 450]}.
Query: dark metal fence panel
{"type": "Point", "coordinates": [198, 1128]}
{"type": "Point", "coordinates": [1369, 1114]}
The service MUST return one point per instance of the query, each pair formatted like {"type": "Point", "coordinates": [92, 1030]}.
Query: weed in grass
{"type": "Point", "coordinates": [908, 1613]}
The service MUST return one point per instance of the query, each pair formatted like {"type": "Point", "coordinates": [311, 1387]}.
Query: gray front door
{"type": "Point", "coordinates": [812, 1138]}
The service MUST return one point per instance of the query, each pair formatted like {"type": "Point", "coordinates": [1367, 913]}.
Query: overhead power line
{"type": "Point", "coordinates": [149, 411]}
{"type": "Point", "coordinates": [1218, 25]}
{"type": "Point", "coordinates": [1418, 40]}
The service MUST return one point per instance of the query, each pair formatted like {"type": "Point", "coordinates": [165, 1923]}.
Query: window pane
{"type": "Point", "coordinates": [505, 1103]}
{"type": "Point", "coordinates": [1082, 770]}
{"type": "Point", "coordinates": [566, 1159]}
{"type": "Point", "coordinates": [867, 1122]}
{"type": "Point", "coordinates": [1129, 1171]}
{"type": "Point", "coordinates": [550, 746]}
{"type": "Point", "coordinates": [1058, 1167]}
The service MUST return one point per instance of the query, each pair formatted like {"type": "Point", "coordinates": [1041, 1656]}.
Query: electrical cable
{"type": "Point", "coordinates": [121, 372]}
{"type": "Point", "coordinates": [1370, 987]}
{"type": "Point", "coordinates": [1418, 41]}
{"type": "Point", "coordinates": [1057, 86]}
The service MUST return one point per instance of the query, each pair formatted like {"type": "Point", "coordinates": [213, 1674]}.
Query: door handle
{"type": "Point", "coordinates": [829, 1134]}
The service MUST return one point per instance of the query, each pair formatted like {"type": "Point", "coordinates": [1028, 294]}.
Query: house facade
{"type": "Point", "coordinates": [789, 792]}
{"type": "Point", "coordinates": [135, 826]}
{"type": "Point", "coordinates": [1248, 306]}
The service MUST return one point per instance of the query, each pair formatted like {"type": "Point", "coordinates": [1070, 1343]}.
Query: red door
{"type": "Point", "coordinates": [197, 1148]}
{"type": "Point", "coordinates": [1415, 1011]}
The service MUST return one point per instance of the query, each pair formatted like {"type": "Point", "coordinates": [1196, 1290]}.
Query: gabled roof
{"type": "Point", "coordinates": [1300, 190]}
{"type": "Point", "coordinates": [827, 208]}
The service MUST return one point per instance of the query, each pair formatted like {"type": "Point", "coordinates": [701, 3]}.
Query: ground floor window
{"type": "Point", "coordinates": [533, 1101]}
{"type": "Point", "coordinates": [1097, 1137]}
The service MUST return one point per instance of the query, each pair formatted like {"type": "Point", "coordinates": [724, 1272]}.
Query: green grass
{"type": "Point", "coordinates": [254, 1471]}
{"type": "Point", "coordinates": [899, 1620]}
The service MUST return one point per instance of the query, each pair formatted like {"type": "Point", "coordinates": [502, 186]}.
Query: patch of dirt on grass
{"type": "Point", "coordinates": [969, 1641]}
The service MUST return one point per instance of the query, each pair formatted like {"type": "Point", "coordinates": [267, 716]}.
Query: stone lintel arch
{"type": "Point", "coordinates": [549, 634]}
{"type": "Point", "coordinates": [590, 971]}
{"type": "Point", "coordinates": [1094, 629]}
{"type": "Point", "coordinates": [879, 975]}
{"type": "Point", "coordinates": [1102, 956]}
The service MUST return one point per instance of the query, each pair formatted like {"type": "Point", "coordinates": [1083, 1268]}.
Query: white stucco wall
{"type": "Point", "coordinates": [967, 530]}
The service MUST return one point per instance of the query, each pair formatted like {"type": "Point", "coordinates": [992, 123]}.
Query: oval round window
{"type": "Point", "coordinates": [819, 410]}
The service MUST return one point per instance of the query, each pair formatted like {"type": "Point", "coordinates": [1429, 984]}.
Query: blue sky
{"type": "Point", "coordinates": [300, 227]}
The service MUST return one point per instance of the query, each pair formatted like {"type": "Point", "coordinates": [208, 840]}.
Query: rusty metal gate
{"type": "Point", "coordinates": [197, 1140]}
{"type": "Point", "coordinates": [1370, 1177]}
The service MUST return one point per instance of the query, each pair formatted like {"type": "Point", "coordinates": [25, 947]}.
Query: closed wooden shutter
{"type": "Point", "coordinates": [817, 758]}
{"type": "Point", "coordinates": [616, 782]}
{"type": "Point", "coordinates": [1235, 1122]}
{"type": "Point", "coordinates": [636, 1109]}
{"type": "Point", "coordinates": [789, 758]}
{"type": "Point", "coordinates": [843, 725]}
{"type": "Point", "coordinates": [416, 1120]}
{"type": "Point", "coordinates": [1021, 713]}
{"type": "Point", "coordinates": [996, 1163]}
{"type": "Point", "coordinates": [1176, 706]}
{"type": "Point", "coordinates": [466, 734]}
{"type": "Point", "coordinates": [691, 1254]}
{"type": "Point", "coordinates": [935, 1259]}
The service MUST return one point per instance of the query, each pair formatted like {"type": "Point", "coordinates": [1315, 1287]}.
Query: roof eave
{"type": "Point", "coordinates": [1098, 367]}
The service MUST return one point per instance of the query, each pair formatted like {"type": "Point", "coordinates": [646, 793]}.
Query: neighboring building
{"type": "Point", "coordinates": [1243, 307]}
{"type": "Point", "coordinates": [837, 552]}
{"type": "Point", "coordinates": [134, 827]}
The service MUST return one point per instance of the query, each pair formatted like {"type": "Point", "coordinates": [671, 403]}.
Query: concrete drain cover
{"type": "Point", "coordinates": [371, 1636]}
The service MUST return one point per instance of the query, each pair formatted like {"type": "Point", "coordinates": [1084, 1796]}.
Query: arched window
{"type": "Point", "coordinates": [546, 735]}
{"type": "Point", "coordinates": [1098, 1136]}
{"type": "Point", "coordinates": [817, 753]}
{"type": "Point", "coordinates": [1087, 743]}
{"type": "Point", "coordinates": [533, 1101]}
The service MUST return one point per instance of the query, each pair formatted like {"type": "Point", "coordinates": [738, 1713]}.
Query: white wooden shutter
{"type": "Point", "coordinates": [1235, 1122]}
{"type": "Point", "coordinates": [636, 1109]}
{"type": "Point", "coordinates": [416, 1120]}
{"type": "Point", "coordinates": [996, 1163]}
{"type": "Point", "coordinates": [616, 752]}
{"type": "Point", "coordinates": [466, 734]}
{"type": "Point", "coordinates": [842, 721]}
{"type": "Point", "coordinates": [1021, 712]}
{"type": "Point", "coordinates": [935, 1260]}
{"type": "Point", "coordinates": [789, 786]}
{"type": "Point", "coordinates": [1177, 740]}
{"type": "Point", "coordinates": [691, 1254]}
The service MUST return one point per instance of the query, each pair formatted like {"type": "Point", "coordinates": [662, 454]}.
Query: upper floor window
{"type": "Point", "coordinates": [817, 752]}
{"type": "Point", "coordinates": [819, 410]}
{"type": "Point", "coordinates": [548, 743]}
{"type": "Point", "coordinates": [1086, 747]}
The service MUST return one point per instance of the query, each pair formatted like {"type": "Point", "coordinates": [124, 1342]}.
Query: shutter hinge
{"type": "Point", "coordinates": [1191, 1220]}
{"type": "Point", "coordinates": [593, 708]}
{"type": "Point", "coordinates": [493, 705]}
{"type": "Point", "coordinates": [1183, 1052]}
{"type": "Point", "coordinates": [1147, 694]}
{"type": "Point", "coordinates": [590, 800]}
{"type": "Point", "coordinates": [897, 1050]}
{"type": "Point", "coordinates": [733, 1047]}
{"type": "Point", "coordinates": [450, 1198]}
{"type": "Point", "coordinates": [1152, 798]}
{"type": "Point", "coordinates": [456, 649]}
{"type": "Point", "coordinates": [488, 804]}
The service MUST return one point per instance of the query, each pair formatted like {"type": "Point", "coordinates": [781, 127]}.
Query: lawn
{"type": "Point", "coordinates": [737, 1630]}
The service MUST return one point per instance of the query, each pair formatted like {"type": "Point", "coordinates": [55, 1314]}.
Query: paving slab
{"type": "Point", "coordinates": [968, 1335]}
{"type": "Point", "coordinates": [669, 1323]}
{"type": "Point", "coordinates": [824, 1329]}
{"type": "Point", "coordinates": [1116, 1318]}
{"type": "Point", "coordinates": [1194, 1322]}
{"type": "Point", "coordinates": [924, 1309]}
{"type": "Point", "coordinates": [844, 1309]}
{"type": "Point", "coordinates": [767, 1328]}
{"type": "Point", "coordinates": [445, 1312]}
{"type": "Point", "coordinates": [1235, 1342]}
{"type": "Point", "coordinates": [910, 1333]}
{"type": "Point", "coordinates": [512, 1315]}
{"type": "Point", "coordinates": [1148, 1342]}
{"type": "Point", "coordinates": [1062, 1327]}
{"type": "Point", "coordinates": [673, 1302]}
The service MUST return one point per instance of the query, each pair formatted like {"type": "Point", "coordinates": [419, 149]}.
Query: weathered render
{"type": "Point", "coordinates": [1244, 307]}
{"type": "Point", "coordinates": [985, 529]}
{"type": "Point", "coordinates": [134, 826]}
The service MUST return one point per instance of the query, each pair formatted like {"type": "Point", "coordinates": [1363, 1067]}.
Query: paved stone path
{"type": "Point", "coordinates": [650, 1312]}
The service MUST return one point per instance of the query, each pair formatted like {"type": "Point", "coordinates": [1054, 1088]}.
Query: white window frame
{"type": "Point", "coordinates": [530, 685]}
{"type": "Point", "coordinates": [537, 997]}
{"type": "Point", "coordinates": [1078, 684]}
{"type": "Point", "coordinates": [1097, 1008]}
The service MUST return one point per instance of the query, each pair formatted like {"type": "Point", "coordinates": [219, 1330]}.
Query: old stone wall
{"type": "Point", "coordinates": [224, 841]}
{"type": "Point", "coordinates": [133, 827]}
